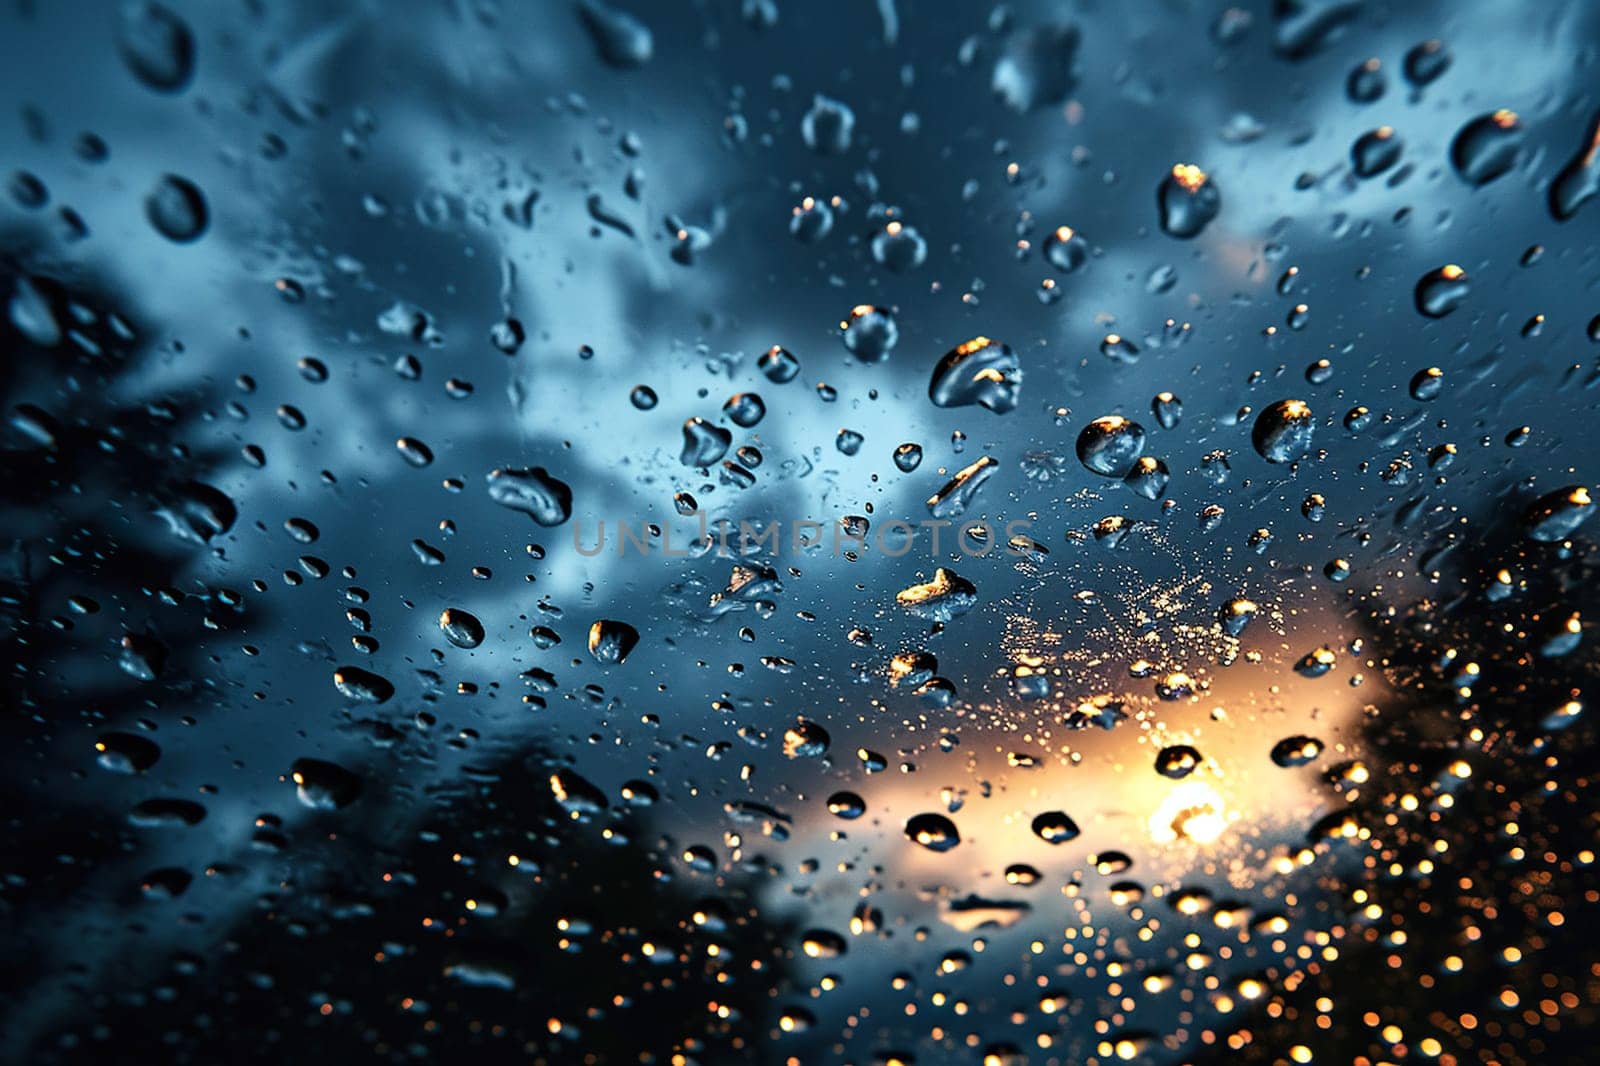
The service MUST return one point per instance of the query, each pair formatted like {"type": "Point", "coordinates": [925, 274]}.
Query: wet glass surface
{"type": "Point", "coordinates": [749, 530]}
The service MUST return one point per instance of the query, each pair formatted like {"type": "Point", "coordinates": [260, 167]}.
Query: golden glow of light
{"type": "Point", "coordinates": [1064, 234]}
{"type": "Point", "coordinates": [1505, 118]}
{"type": "Point", "coordinates": [1193, 810]}
{"type": "Point", "coordinates": [1450, 272]}
{"type": "Point", "coordinates": [1189, 176]}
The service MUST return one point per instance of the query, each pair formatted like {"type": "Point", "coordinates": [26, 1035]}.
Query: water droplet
{"type": "Point", "coordinates": [156, 44]}
{"type": "Point", "coordinates": [1557, 515]}
{"type": "Point", "coordinates": [1316, 663]}
{"type": "Point", "coordinates": [1168, 410]}
{"type": "Point", "coordinates": [362, 686]}
{"type": "Point", "coordinates": [870, 333]}
{"type": "Point", "coordinates": [1235, 615]}
{"type": "Point", "coordinates": [957, 494]}
{"type": "Point", "coordinates": [324, 786]}
{"type": "Point", "coordinates": [414, 451]}
{"type": "Point", "coordinates": [979, 371]}
{"type": "Point", "coordinates": [828, 126]}
{"type": "Point", "coordinates": [534, 492]}
{"type": "Point", "coordinates": [846, 805]}
{"type": "Point", "coordinates": [933, 831]}
{"type": "Point", "coordinates": [810, 220]}
{"type": "Point", "coordinates": [177, 209]}
{"type": "Point", "coordinates": [127, 753]}
{"type": "Point", "coordinates": [1366, 82]}
{"type": "Point", "coordinates": [805, 740]}
{"type": "Point", "coordinates": [945, 597]}
{"type": "Point", "coordinates": [1427, 384]}
{"type": "Point", "coordinates": [461, 628]}
{"type": "Point", "coordinates": [1425, 62]}
{"type": "Point", "coordinates": [1119, 349]}
{"type": "Point", "coordinates": [1110, 445]}
{"type": "Point", "coordinates": [1066, 250]}
{"type": "Point", "coordinates": [1054, 827]}
{"type": "Point", "coordinates": [1148, 478]}
{"type": "Point", "coordinates": [703, 443]}
{"type": "Point", "coordinates": [620, 39]}
{"type": "Point", "coordinates": [1035, 67]}
{"type": "Point", "coordinates": [1441, 291]}
{"type": "Point", "coordinates": [743, 409]}
{"type": "Point", "coordinates": [1296, 751]}
{"type": "Point", "coordinates": [1283, 431]}
{"type": "Point", "coordinates": [611, 641]}
{"type": "Point", "coordinates": [1188, 200]}
{"type": "Point", "coordinates": [778, 365]}
{"type": "Point", "coordinates": [1579, 180]}
{"type": "Point", "coordinates": [1305, 26]}
{"type": "Point", "coordinates": [1375, 151]}
{"type": "Point", "coordinates": [899, 247]}
{"type": "Point", "coordinates": [1487, 147]}
{"type": "Point", "coordinates": [1177, 761]}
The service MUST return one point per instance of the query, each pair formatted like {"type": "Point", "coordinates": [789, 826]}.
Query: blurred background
{"type": "Point", "coordinates": [334, 331]}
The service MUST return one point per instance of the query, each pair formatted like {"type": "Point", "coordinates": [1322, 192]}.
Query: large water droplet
{"type": "Point", "coordinates": [870, 333]}
{"type": "Point", "coordinates": [703, 442]}
{"type": "Point", "coordinates": [899, 247]}
{"type": "Point", "coordinates": [1557, 515]}
{"type": "Point", "coordinates": [945, 597]}
{"type": "Point", "coordinates": [1579, 180]}
{"type": "Point", "coordinates": [156, 44]}
{"type": "Point", "coordinates": [1065, 249]}
{"type": "Point", "coordinates": [534, 492]}
{"type": "Point", "coordinates": [1188, 200]}
{"type": "Point", "coordinates": [177, 209]}
{"type": "Point", "coordinates": [611, 641]}
{"type": "Point", "coordinates": [1110, 445]}
{"type": "Point", "coordinates": [1283, 431]}
{"type": "Point", "coordinates": [979, 371]}
{"type": "Point", "coordinates": [933, 831]}
{"type": "Point", "coordinates": [1443, 290]}
{"type": "Point", "coordinates": [324, 785]}
{"type": "Point", "coordinates": [1487, 146]}
{"type": "Point", "coordinates": [1375, 151]}
{"type": "Point", "coordinates": [461, 628]}
{"type": "Point", "coordinates": [1054, 827]}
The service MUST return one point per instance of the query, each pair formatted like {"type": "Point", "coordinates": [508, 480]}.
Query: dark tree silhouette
{"type": "Point", "coordinates": [1480, 946]}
